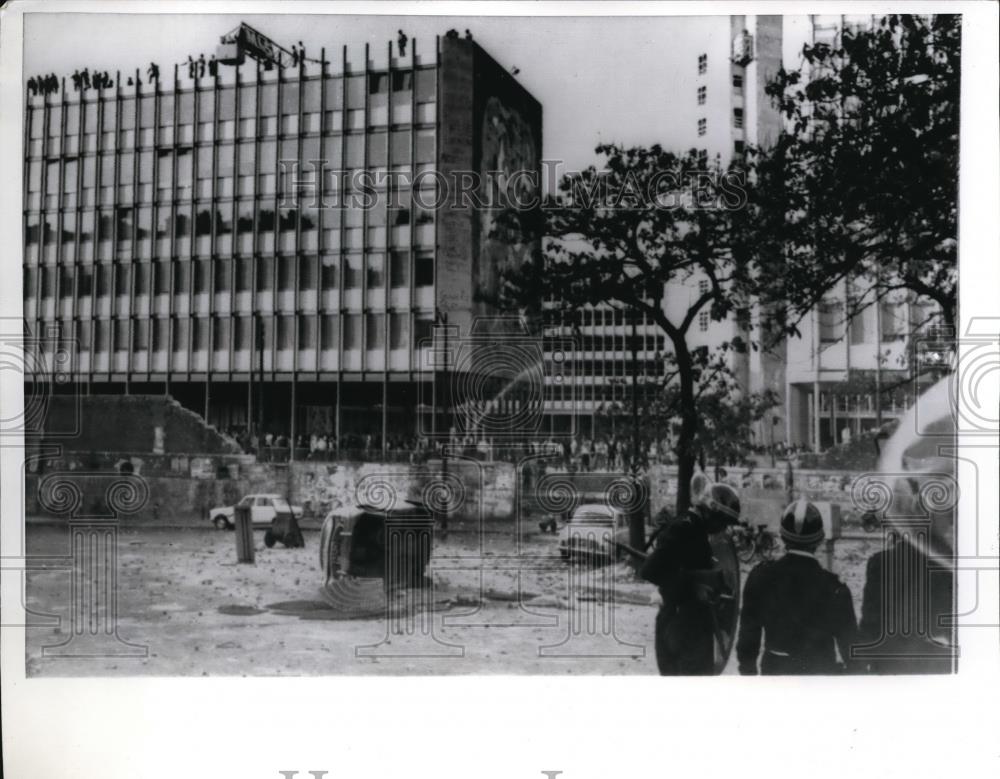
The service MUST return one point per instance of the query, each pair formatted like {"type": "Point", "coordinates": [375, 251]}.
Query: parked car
{"type": "Point", "coordinates": [263, 509]}
{"type": "Point", "coordinates": [592, 530]}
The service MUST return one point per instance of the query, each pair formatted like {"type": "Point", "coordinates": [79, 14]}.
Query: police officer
{"type": "Point", "coordinates": [681, 566]}
{"type": "Point", "coordinates": [803, 610]}
{"type": "Point", "coordinates": [905, 610]}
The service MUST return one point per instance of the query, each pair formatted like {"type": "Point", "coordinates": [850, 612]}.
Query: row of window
{"type": "Point", "coordinates": [333, 194]}
{"type": "Point", "coordinates": [121, 114]}
{"type": "Point", "coordinates": [207, 132]}
{"type": "Point", "coordinates": [331, 155]}
{"type": "Point", "coordinates": [892, 318]}
{"type": "Point", "coordinates": [220, 276]}
{"type": "Point", "coordinates": [327, 332]}
{"type": "Point", "coordinates": [377, 240]}
{"type": "Point", "coordinates": [605, 391]}
{"type": "Point", "coordinates": [239, 216]}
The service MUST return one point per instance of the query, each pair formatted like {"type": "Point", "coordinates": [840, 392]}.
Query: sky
{"type": "Point", "coordinates": [599, 79]}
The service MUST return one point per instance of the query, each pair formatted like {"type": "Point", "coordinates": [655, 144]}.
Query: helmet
{"type": "Point", "coordinates": [721, 500]}
{"type": "Point", "coordinates": [802, 523]}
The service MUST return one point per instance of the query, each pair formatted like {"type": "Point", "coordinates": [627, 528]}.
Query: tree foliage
{"type": "Point", "coordinates": [863, 185]}
{"type": "Point", "coordinates": [619, 234]}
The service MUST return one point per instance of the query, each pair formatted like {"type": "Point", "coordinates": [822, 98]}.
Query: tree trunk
{"type": "Point", "coordinates": [686, 455]}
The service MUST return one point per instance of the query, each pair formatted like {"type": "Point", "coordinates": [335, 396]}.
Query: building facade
{"type": "Point", "coordinates": [271, 243]}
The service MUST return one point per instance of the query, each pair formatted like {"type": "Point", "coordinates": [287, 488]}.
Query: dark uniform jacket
{"type": "Point", "coordinates": [802, 610]}
{"type": "Point", "coordinates": [684, 625]}
{"type": "Point", "coordinates": [906, 613]}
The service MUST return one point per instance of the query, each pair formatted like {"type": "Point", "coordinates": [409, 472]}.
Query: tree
{"type": "Point", "coordinates": [620, 234]}
{"type": "Point", "coordinates": [863, 186]}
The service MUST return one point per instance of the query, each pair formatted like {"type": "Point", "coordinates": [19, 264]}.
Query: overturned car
{"type": "Point", "coordinates": [391, 543]}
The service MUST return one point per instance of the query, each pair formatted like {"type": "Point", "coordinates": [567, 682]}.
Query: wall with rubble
{"type": "Point", "coordinates": [182, 489]}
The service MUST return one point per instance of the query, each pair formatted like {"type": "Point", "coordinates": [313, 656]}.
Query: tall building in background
{"type": "Point", "coordinates": [169, 231]}
{"type": "Point", "coordinates": [734, 112]}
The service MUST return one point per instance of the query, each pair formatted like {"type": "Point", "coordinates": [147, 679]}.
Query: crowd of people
{"type": "Point", "coordinates": [577, 453]}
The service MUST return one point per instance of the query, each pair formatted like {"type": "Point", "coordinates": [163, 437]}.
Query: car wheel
{"type": "Point", "coordinates": [269, 539]}
{"type": "Point", "coordinates": [221, 523]}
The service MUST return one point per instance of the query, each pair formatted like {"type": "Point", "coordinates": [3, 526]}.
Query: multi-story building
{"type": "Point", "coordinates": [179, 227]}
{"type": "Point", "coordinates": [852, 367]}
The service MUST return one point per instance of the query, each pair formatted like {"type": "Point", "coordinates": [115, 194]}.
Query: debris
{"type": "Point", "coordinates": [240, 611]}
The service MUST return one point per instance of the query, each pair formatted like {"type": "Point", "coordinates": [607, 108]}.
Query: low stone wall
{"type": "Point", "coordinates": [183, 488]}
{"type": "Point", "coordinates": [470, 489]}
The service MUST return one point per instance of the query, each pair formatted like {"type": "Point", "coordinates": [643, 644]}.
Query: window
{"type": "Point", "coordinates": [426, 86]}
{"type": "Point", "coordinates": [423, 330]}
{"type": "Point", "coordinates": [244, 270]}
{"type": "Point", "coordinates": [424, 269]}
{"type": "Point", "coordinates": [307, 332]}
{"type": "Point", "coordinates": [376, 271]}
{"type": "Point", "coordinates": [86, 281]}
{"type": "Point", "coordinates": [398, 331]}
{"type": "Point", "coordinates": [702, 287]}
{"type": "Point", "coordinates": [702, 93]}
{"type": "Point", "coordinates": [893, 316]}
{"type": "Point", "coordinates": [402, 81]}
{"type": "Point", "coordinates": [376, 332]}
{"type": "Point", "coordinates": [180, 334]}
{"type": "Point", "coordinates": [425, 146]}
{"type": "Point", "coordinates": [737, 117]}
{"type": "Point", "coordinates": [737, 81]}
{"type": "Point", "coordinates": [200, 335]}
{"type": "Point", "coordinates": [399, 269]}
{"type": "Point", "coordinates": [182, 273]}
{"type": "Point", "coordinates": [702, 63]}
{"type": "Point", "coordinates": [328, 332]}
{"type": "Point", "coordinates": [122, 278]}
{"type": "Point", "coordinates": [241, 333]}
{"type": "Point", "coordinates": [121, 335]}
{"type": "Point", "coordinates": [329, 272]}
{"type": "Point", "coordinates": [264, 271]}
{"type": "Point", "coordinates": [857, 328]}
{"type": "Point", "coordinates": [286, 273]}
{"type": "Point", "coordinates": [702, 126]}
{"type": "Point", "coordinates": [378, 83]}
{"type": "Point", "coordinates": [160, 334]}
{"type": "Point", "coordinates": [829, 321]}
{"type": "Point", "coordinates": [738, 147]}
{"type": "Point", "coordinates": [221, 275]}
{"type": "Point", "coordinates": [162, 278]}
{"type": "Point", "coordinates": [140, 335]}
{"type": "Point", "coordinates": [307, 272]}
{"type": "Point", "coordinates": [399, 147]}
{"type": "Point", "coordinates": [286, 334]}
{"type": "Point", "coordinates": [352, 272]}
{"type": "Point", "coordinates": [352, 331]}
{"type": "Point", "coordinates": [703, 321]}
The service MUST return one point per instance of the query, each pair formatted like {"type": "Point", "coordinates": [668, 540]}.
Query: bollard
{"type": "Point", "coordinates": [244, 535]}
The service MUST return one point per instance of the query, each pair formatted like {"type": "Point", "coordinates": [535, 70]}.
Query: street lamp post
{"type": "Point", "coordinates": [441, 319]}
{"type": "Point", "coordinates": [260, 377]}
